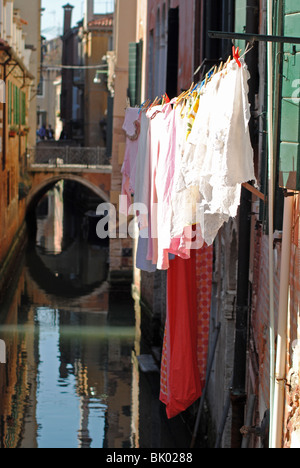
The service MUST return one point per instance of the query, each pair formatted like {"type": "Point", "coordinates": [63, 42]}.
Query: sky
{"type": "Point", "coordinates": [52, 18]}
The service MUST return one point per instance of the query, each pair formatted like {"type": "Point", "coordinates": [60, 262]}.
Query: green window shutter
{"type": "Point", "coordinates": [289, 165]}
{"type": "Point", "coordinates": [23, 108]}
{"type": "Point", "coordinates": [139, 72]}
{"type": "Point", "coordinates": [15, 104]}
{"type": "Point", "coordinates": [132, 73]}
{"type": "Point", "coordinates": [135, 72]}
{"type": "Point", "coordinates": [9, 103]}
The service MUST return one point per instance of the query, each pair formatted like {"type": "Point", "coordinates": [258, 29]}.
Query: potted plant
{"type": "Point", "coordinates": [26, 130]}
{"type": "Point", "coordinates": [13, 130]}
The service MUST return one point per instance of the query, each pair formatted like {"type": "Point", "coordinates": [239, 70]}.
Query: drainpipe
{"type": "Point", "coordinates": [279, 390]}
{"type": "Point", "coordinates": [271, 211]}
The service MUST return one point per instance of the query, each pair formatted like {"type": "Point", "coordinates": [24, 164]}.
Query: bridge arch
{"type": "Point", "coordinates": [42, 187]}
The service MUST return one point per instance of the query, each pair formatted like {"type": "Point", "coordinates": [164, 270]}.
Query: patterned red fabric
{"type": "Point", "coordinates": [185, 347]}
{"type": "Point", "coordinates": [204, 274]}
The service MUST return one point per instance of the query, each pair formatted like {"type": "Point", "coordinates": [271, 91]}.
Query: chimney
{"type": "Point", "coordinates": [67, 17]}
{"type": "Point", "coordinates": [89, 12]}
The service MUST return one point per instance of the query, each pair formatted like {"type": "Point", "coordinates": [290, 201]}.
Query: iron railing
{"type": "Point", "coordinates": [67, 156]}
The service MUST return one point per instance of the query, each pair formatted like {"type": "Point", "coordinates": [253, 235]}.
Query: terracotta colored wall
{"type": "Point", "coordinates": [186, 36]}
{"type": "Point", "coordinates": [11, 210]}
{"type": "Point", "coordinates": [124, 33]}
{"type": "Point", "coordinates": [292, 414]}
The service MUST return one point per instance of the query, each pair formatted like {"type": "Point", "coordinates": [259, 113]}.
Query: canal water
{"type": "Point", "coordinates": [71, 377]}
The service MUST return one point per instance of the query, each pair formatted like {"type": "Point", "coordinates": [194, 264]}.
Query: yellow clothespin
{"type": "Point", "coordinates": [155, 102]}
{"type": "Point", "coordinates": [146, 104]}
{"type": "Point", "coordinates": [184, 94]}
{"type": "Point", "coordinates": [226, 64]}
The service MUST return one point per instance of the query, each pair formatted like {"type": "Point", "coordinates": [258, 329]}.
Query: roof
{"type": "Point", "coordinates": [102, 21]}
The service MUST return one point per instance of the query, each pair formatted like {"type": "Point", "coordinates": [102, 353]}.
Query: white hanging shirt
{"type": "Point", "coordinates": [218, 157]}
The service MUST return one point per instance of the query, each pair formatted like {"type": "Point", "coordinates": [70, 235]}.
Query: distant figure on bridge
{"type": "Point", "coordinates": [50, 133]}
{"type": "Point", "coordinates": [42, 132]}
{"type": "Point", "coordinates": [103, 127]}
{"type": "Point", "coordinates": [63, 135]}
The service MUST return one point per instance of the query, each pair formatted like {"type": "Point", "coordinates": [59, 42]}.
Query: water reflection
{"type": "Point", "coordinates": [67, 381]}
{"type": "Point", "coordinates": [72, 378]}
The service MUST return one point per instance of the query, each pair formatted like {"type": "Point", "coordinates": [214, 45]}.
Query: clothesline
{"type": "Point", "coordinates": [236, 53]}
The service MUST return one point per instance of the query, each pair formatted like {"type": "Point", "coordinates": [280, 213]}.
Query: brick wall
{"type": "Point", "coordinates": [259, 345]}
{"type": "Point", "coordinates": [292, 413]}
{"type": "Point", "coordinates": [259, 355]}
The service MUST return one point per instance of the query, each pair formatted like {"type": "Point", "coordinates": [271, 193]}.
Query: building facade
{"type": "Point", "coordinates": [255, 374]}
{"type": "Point", "coordinates": [85, 99]}
{"type": "Point", "coordinates": [19, 65]}
{"type": "Point", "coordinates": [47, 109]}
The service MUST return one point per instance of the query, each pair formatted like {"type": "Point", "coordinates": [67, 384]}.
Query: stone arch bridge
{"type": "Point", "coordinates": [87, 166]}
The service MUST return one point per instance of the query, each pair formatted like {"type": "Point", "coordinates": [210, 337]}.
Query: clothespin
{"type": "Point", "coordinates": [228, 61]}
{"type": "Point", "coordinates": [165, 99]}
{"type": "Point", "coordinates": [178, 100]}
{"type": "Point", "coordinates": [196, 88]}
{"type": "Point", "coordinates": [183, 95]}
{"type": "Point", "coordinates": [249, 47]}
{"type": "Point", "coordinates": [236, 55]}
{"type": "Point", "coordinates": [144, 105]}
{"type": "Point", "coordinates": [191, 88]}
{"type": "Point", "coordinates": [226, 65]}
{"type": "Point", "coordinates": [154, 103]}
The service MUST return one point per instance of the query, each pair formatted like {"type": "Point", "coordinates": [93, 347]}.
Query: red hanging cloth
{"type": "Point", "coordinates": [186, 337]}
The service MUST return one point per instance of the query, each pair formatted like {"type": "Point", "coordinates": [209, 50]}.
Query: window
{"type": "Point", "coordinates": [173, 47]}
{"type": "Point", "coordinates": [40, 89]}
{"type": "Point", "coordinates": [135, 72]}
{"type": "Point", "coordinates": [9, 104]}
{"type": "Point", "coordinates": [16, 105]}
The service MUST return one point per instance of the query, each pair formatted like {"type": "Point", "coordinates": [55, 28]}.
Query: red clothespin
{"type": "Point", "coordinates": [166, 98]}
{"type": "Point", "coordinates": [236, 55]}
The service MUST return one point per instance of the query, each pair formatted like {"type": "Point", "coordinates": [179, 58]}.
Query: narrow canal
{"type": "Point", "coordinates": [71, 378]}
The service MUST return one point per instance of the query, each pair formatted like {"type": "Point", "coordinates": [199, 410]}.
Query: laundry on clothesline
{"type": "Point", "coordinates": [183, 174]}
{"type": "Point", "coordinates": [185, 163]}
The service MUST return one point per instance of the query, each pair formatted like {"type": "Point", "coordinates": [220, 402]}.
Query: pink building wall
{"type": "Point", "coordinates": [186, 36]}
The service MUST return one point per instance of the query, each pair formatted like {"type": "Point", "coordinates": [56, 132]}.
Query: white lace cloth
{"type": "Point", "coordinates": [218, 156]}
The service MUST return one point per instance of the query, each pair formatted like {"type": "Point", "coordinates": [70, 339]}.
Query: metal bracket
{"type": "Point", "coordinates": [14, 65]}
{"type": "Point", "coordinates": [288, 193]}
{"type": "Point", "coordinates": [253, 37]}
